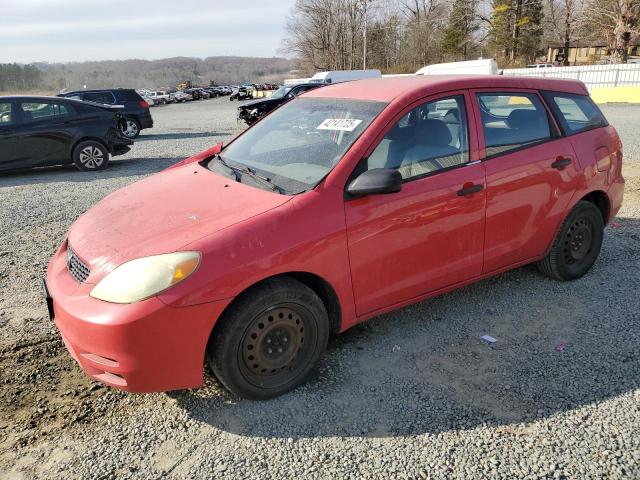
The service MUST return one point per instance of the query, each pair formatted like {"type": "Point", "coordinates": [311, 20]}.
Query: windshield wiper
{"type": "Point", "coordinates": [265, 180]}
{"type": "Point", "coordinates": [234, 170]}
{"type": "Point", "coordinates": [238, 172]}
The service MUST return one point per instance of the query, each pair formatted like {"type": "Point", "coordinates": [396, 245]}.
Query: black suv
{"type": "Point", "coordinates": [131, 105]}
{"type": "Point", "coordinates": [253, 111]}
{"type": "Point", "coordinates": [39, 131]}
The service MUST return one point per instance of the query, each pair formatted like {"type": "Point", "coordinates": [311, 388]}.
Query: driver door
{"type": "Point", "coordinates": [430, 235]}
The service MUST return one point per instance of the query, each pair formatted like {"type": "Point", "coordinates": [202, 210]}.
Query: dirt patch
{"type": "Point", "coordinates": [43, 392]}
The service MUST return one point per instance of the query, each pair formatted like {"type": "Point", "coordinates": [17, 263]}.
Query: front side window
{"type": "Point", "coordinates": [431, 137]}
{"type": "Point", "coordinates": [577, 113]}
{"type": "Point", "coordinates": [6, 117]}
{"type": "Point", "coordinates": [34, 111]}
{"type": "Point", "coordinates": [512, 121]}
{"type": "Point", "coordinates": [300, 143]}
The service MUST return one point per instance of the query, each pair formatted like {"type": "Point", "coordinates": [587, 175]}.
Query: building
{"type": "Point", "coordinates": [588, 52]}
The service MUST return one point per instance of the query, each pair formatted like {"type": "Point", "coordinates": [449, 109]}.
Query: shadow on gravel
{"type": "Point", "coordinates": [68, 173]}
{"type": "Point", "coordinates": [560, 346]}
{"type": "Point", "coordinates": [179, 136]}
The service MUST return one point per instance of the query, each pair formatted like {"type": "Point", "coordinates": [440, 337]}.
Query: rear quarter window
{"type": "Point", "coordinates": [576, 113]}
{"type": "Point", "coordinates": [131, 95]}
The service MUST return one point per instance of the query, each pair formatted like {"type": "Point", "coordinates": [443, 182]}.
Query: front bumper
{"type": "Point", "coordinates": [146, 346]}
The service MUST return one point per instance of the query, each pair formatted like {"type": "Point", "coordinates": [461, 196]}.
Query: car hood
{"type": "Point", "coordinates": [163, 213]}
{"type": "Point", "coordinates": [254, 103]}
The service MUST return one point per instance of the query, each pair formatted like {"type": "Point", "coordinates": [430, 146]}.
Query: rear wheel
{"type": "Point", "coordinates": [90, 155]}
{"type": "Point", "coordinates": [130, 128]}
{"type": "Point", "coordinates": [269, 341]}
{"type": "Point", "coordinates": [577, 245]}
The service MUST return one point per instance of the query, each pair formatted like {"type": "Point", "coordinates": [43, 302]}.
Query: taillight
{"type": "Point", "coordinates": [144, 104]}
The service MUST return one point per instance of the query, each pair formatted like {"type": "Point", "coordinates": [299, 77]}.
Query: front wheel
{"type": "Point", "coordinates": [130, 128]}
{"type": "Point", "coordinates": [577, 245]}
{"type": "Point", "coordinates": [269, 340]}
{"type": "Point", "coordinates": [90, 155]}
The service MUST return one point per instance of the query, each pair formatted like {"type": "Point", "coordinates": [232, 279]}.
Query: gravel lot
{"type": "Point", "coordinates": [412, 394]}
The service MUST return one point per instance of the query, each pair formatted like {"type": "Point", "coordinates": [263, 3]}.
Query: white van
{"type": "Point", "coordinates": [470, 67]}
{"type": "Point", "coordinates": [337, 76]}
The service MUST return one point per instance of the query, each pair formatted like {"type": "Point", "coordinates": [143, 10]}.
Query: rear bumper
{"type": "Point", "coordinates": [146, 121]}
{"type": "Point", "coordinates": [142, 347]}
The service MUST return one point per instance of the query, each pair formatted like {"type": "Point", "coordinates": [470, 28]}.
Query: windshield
{"type": "Point", "coordinates": [299, 144]}
{"type": "Point", "coordinates": [281, 92]}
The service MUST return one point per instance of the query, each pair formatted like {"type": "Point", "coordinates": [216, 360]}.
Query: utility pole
{"type": "Point", "coordinates": [364, 35]}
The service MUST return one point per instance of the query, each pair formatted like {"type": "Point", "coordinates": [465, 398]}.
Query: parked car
{"type": "Point", "coordinates": [41, 131]}
{"type": "Point", "coordinates": [131, 104]}
{"type": "Point", "coordinates": [541, 65]}
{"type": "Point", "coordinates": [181, 97]}
{"type": "Point", "coordinates": [254, 110]}
{"type": "Point", "coordinates": [352, 200]}
{"type": "Point", "coordinates": [161, 97]}
{"type": "Point", "coordinates": [243, 92]}
{"type": "Point", "coordinates": [204, 93]}
{"type": "Point", "coordinates": [337, 76]}
{"type": "Point", "coordinates": [194, 92]}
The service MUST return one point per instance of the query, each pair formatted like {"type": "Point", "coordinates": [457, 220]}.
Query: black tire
{"type": "Point", "coordinates": [269, 340]}
{"type": "Point", "coordinates": [131, 128]}
{"type": "Point", "coordinates": [577, 245]}
{"type": "Point", "coordinates": [90, 155]}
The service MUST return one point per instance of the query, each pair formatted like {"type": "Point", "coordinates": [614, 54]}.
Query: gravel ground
{"type": "Point", "coordinates": [411, 394]}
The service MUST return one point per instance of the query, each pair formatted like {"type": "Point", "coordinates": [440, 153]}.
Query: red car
{"type": "Point", "coordinates": [350, 201]}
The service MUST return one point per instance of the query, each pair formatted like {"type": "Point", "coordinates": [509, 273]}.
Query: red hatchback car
{"type": "Point", "coordinates": [350, 201]}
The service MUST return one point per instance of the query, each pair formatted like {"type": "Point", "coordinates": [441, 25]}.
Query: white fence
{"type": "Point", "coordinates": [623, 75]}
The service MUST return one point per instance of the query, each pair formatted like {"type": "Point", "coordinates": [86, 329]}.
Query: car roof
{"type": "Point", "coordinates": [39, 97]}
{"type": "Point", "coordinates": [387, 89]}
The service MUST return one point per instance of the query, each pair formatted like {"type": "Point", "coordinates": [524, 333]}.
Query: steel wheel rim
{"type": "Point", "coordinates": [578, 241]}
{"type": "Point", "coordinates": [91, 157]}
{"type": "Point", "coordinates": [277, 345]}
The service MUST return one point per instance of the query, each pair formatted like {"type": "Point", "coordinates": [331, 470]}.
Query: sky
{"type": "Point", "coordinates": [79, 30]}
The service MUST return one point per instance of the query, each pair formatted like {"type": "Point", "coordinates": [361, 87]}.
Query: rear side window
{"type": "Point", "coordinates": [512, 121]}
{"type": "Point", "coordinates": [576, 113]}
{"type": "Point", "coordinates": [99, 97]}
{"type": "Point", "coordinates": [33, 111]}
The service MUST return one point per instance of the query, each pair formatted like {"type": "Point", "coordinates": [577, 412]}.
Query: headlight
{"type": "Point", "coordinates": [145, 277]}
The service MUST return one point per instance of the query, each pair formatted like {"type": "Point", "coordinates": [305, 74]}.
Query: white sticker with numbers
{"type": "Point", "coordinates": [340, 124]}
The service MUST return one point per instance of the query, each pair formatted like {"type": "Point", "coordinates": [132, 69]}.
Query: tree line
{"type": "Point", "coordinates": [402, 35]}
{"type": "Point", "coordinates": [142, 73]}
{"type": "Point", "coordinates": [19, 77]}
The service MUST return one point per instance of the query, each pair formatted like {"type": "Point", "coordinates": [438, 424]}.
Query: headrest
{"type": "Point", "coordinates": [433, 132]}
{"type": "Point", "coordinates": [521, 118]}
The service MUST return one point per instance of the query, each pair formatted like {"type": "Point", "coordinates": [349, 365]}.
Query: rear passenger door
{"type": "Point", "coordinates": [531, 175]}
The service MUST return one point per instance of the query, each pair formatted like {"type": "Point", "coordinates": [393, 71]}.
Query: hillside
{"type": "Point", "coordinates": [145, 73]}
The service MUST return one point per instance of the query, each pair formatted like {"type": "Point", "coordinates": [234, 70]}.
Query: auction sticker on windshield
{"type": "Point", "coordinates": [341, 124]}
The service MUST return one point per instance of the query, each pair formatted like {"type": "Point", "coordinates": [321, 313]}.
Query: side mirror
{"type": "Point", "coordinates": [375, 182]}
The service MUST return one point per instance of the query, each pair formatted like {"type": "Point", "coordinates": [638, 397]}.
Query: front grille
{"type": "Point", "coordinates": [77, 268]}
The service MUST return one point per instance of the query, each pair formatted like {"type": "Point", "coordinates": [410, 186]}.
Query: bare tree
{"type": "Point", "coordinates": [616, 21]}
{"type": "Point", "coordinates": [564, 23]}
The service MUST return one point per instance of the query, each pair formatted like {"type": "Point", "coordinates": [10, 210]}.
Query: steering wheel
{"type": "Point", "coordinates": [5, 115]}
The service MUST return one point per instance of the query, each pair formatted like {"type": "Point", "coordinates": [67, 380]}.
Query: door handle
{"type": "Point", "coordinates": [470, 190]}
{"type": "Point", "coordinates": [561, 162]}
